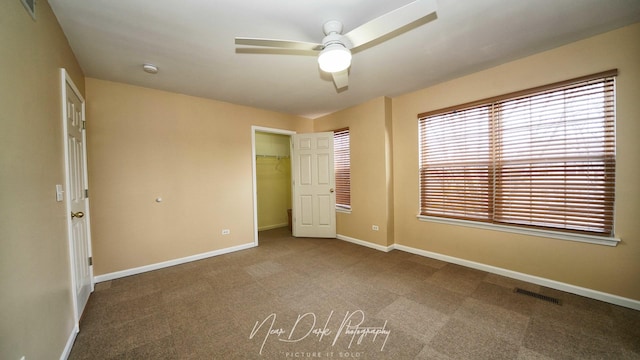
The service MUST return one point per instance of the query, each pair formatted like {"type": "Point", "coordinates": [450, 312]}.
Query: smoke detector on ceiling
{"type": "Point", "coordinates": [150, 68]}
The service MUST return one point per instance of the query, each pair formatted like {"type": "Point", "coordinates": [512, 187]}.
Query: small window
{"type": "Point", "coordinates": [342, 166]}
{"type": "Point", "coordinates": [542, 158]}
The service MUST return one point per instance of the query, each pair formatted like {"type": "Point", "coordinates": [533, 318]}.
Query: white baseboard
{"type": "Point", "coordinates": [72, 338]}
{"type": "Point", "coordinates": [364, 243]}
{"type": "Point", "coordinates": [151, 267]}
{"type": "Point", "coordinates": [594, 294]}
{"type": "Point", "coordinates": [271, 227]}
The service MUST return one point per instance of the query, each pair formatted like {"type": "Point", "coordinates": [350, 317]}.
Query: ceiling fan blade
{"type": "Point", "coordinates": [283, 44]}
{"type": "Point", "coordinates": [391, 21]}
{"type": "Point", "coordinates": [341, 79]}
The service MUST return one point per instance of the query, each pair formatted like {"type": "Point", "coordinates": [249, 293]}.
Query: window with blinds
{"type": "Point", "coordinates": [342, 165]}
{"type": "Point", "coordinates": [543, 158]}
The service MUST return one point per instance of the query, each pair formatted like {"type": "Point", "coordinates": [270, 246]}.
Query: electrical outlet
{"type": "Point", "coordinates": [226, 232]}
{"type": "Point", "coordinates": [375, 228]}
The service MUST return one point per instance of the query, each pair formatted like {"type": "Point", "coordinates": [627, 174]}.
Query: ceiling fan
{"type": "Point", "coordinates": [335, 49]}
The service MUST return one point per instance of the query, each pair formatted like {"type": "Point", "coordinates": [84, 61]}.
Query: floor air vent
{"type": "Point", "coordinates": [538, 296]}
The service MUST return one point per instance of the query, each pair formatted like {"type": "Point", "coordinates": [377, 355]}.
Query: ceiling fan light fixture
{"type": "Point", "coordinates": [334, 58]}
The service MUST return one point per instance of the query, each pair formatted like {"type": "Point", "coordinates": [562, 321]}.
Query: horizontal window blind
{"type": "Point", "coordinates": [341, 148]}
{"type": "Point", "coordinates": [456, 169]}
{"type": "Point", "coordinates": [544, 159]}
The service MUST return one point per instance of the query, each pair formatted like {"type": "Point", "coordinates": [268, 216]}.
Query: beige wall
{"type": "Point", "coordinates": [193, 153]}
{"type": "Point", "coordinates": [273, 179]}
{"type": "Point", "coordinates": [369, 131]}
{"type": "Point", "coordinates": [37, 314]}
{"type": "Point", "coordinates": [614, 270]}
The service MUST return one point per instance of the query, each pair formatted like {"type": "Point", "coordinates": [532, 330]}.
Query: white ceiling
{"type": "Point", "coordinates": [192, 43]}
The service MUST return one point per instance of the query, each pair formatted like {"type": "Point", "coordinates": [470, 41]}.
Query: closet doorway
{"type": "Point", "coordinates": [272, 179]}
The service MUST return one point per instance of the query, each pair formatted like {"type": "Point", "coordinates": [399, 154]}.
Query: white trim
{"type": "Point", "coordinates": [594, 294]}
{"type": "Point", "coordinates": [591, 239]}
{"type": "Point", "coordinates": [72, 338]}
{"type": "Point", "coordinates": [255, 129]}
{"type": "Point", "coordinates": [169, 263]}
{"type": "Point", "coordinates": [365, 243]}
{"type": "Point", "coordinates": [65, 80]}
{"type": "Point", "coordinates": [271, 227]}
{"type": "Point", "coordinates": [67, 197]}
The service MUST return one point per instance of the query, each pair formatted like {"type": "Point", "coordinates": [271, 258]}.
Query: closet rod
{"type": "Point", "coordinates": [273, 156]}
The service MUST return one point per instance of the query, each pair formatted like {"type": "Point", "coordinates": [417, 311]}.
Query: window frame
{"type": "Point", "coordinates": [563, 234]}
{"type": "Point", "coordinates": [342, 190]}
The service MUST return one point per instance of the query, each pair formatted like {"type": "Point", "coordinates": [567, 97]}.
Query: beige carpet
{"type": "Point", "coordinates": [327, 299]}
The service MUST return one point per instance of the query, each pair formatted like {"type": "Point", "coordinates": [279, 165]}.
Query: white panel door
{"type": "Point", "coordinates": [314, 198]}
{"type": "Point", "coordinates": [77, 191]}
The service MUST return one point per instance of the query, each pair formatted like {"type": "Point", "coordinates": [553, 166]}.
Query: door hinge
{"type": "Point", "coordinates": [90, 260]}
{"type": "Point", "coordinates": [86, 193]}
{"type": "Point", "coordinates": [84, 124]}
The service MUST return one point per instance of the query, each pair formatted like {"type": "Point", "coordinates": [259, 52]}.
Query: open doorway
{"type": "Point", "coordinates": [271, 179]}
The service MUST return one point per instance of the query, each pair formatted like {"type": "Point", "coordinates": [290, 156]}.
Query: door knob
{"type": "Point", "coordinates": [331, 190]}
{"type": "Point", "coordinates": [78, 215]}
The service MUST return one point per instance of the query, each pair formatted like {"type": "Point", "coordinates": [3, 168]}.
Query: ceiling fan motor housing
{"type": "Point", "coordinates": [335, 55]}
{"type": "Point", "coordinates": [332, 26]}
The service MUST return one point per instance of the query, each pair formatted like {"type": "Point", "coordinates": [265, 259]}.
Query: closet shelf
{"type": "Point", "coordinates": [273, 156]}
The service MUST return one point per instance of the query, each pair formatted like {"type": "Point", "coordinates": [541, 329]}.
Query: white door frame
{"type": "Point", "coordinates": [66, 80]}
{"type": "Point", "coordinates": [255, 129]}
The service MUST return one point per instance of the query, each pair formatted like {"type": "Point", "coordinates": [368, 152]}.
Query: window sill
{"type": "Point", "coordinates": [609, 241]}
{"type": "Point", "coordinates": [343, 210]}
